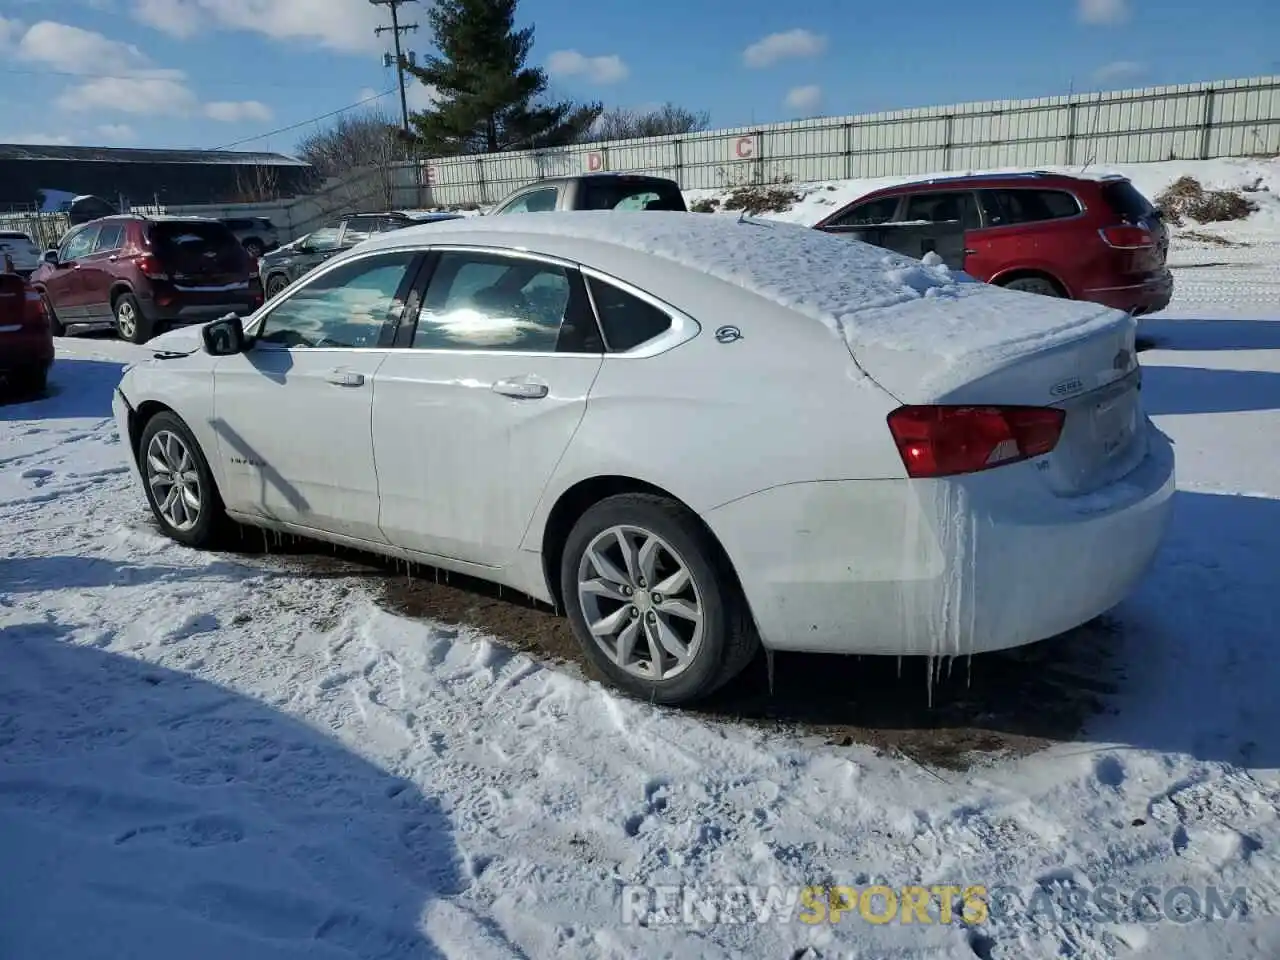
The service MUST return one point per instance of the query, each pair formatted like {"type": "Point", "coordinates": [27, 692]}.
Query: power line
{"type": "Point", "coordinates": [395, 30]}
{"type": "Point", "coordinates": [303, 123]}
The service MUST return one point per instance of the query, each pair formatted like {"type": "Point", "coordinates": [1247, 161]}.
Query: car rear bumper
{"type": "Point", "coordinates": [22, 351]}
{"type": "Point", "coordinates": [200, 306]}
{"type": "Point", "coordinates": [1148, 296]}
{"type": "Point", "coordinates": [942, 567]}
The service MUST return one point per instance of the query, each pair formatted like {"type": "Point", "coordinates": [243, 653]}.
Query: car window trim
{"type": "Point", "coordinates": [119, 240]}
{"type": "Point", "coordinates": [574, 271]}
{"type": "Point", "coordinates": [386, 336]}
{"type": "Point", "coordinates": [683, 326]}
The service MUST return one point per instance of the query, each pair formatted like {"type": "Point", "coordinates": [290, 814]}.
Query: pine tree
{"type": "Point", "coordinates": [488, 100]}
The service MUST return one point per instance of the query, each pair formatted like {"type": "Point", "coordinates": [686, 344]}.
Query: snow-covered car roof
{"type": "Point", "coordinates": [863, 293]}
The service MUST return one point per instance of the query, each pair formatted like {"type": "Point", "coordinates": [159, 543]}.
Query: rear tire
{"type": "Point", "coordinates": [676, 600]}
{"type": "Point", "coordinates": [178, 483]}
{"type": "Point", "coordinates": [1039, 285]}
{"type": "Point", "coordinates": [131, 323]}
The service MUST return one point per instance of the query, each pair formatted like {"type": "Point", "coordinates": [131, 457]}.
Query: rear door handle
{"type": "Point", "coordinates": [345, 378]}
{"type": "Point", "coordinates": [522, 388]}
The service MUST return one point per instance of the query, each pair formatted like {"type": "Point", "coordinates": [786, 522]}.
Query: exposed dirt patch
{"type": "Point", "coordinates": [1210, 239]}
{"type": "Point", "coordinates": [952, 714]}
{"type": "Point", "coordinates": [1011, 703]}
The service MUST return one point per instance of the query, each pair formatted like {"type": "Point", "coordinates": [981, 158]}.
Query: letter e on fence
{"type": "Point", "coordinates": [426, 174]}
{"type": "Point", "coordinates": [594, 162]}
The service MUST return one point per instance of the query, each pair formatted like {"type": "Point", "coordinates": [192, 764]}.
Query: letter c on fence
{"type": "Point", "coordinates": [745, 147]}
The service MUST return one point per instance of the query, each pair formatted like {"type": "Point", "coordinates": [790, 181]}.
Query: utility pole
{"type": "Point", "coordinates": [395, 30]}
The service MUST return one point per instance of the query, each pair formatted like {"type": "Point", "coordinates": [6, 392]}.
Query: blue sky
{"type": "Point", "coordinates": [210, 73]}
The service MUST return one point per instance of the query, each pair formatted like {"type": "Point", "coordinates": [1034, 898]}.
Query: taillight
{"type": "Point", "coordinates": [34, 313]}
{"type": "Point", "coordinates": [1126, 237]}
{"type": "Point", "coordinates": [943, 441]}
{"type": "Point", "coordinates": [150, 267]}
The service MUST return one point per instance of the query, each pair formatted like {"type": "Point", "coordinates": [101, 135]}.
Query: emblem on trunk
{"type": "Point", "coordinates": [728, 334]}
{"type": "Point", "coordinates": [1067, 387]}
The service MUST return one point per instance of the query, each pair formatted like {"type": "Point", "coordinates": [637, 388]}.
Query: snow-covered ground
{"type": "Point", "coordinates": [226, 755]}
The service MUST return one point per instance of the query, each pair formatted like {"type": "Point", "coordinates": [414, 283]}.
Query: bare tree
{"type": "Point", "coordinates": [621, 123]}
{"type": "Point", "coordinates": [365, 143]}
{"type": "Point", "coordinates": [257, 184]}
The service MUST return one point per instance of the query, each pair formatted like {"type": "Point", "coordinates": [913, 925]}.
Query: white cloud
{"type": "Point", "coordinates": [604, 69]}
{"type": "Point", "coordinates": [422, 96]}
{"type": "Point", "coordinates": [784, 46]}
{"type": "Point", "coordinates": [154, 96]}
{"type": "Point", "coordinates": [804, 99]}
{"type": "Point", "coordinates": [69, 49]}
{"type": "Point", "coordinates": [1103, 11]}
{"type": "Point", "coordinates": [116, 132]}
{"type": "Point", "coordinates": [231, 111]}
{"type": "Point", "coordinates": [43, 139]}
{"type": "Point", "coordinates": [346, 25]}
{"type": "Point", "coordinates": [178, 18]}
{"type": "Point", "coordinates": [1119, 70]}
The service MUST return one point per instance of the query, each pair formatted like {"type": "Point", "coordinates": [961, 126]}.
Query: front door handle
{"type": "Point", "coordinates": [345, 378]}
{"type": "Point", "coordinates": [523, 389]}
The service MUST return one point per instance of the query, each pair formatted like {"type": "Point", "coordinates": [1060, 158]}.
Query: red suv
{"type": "Point", "coordinates": [141, 274]}
{"type": "Point", "coordinates": [1085, 239]}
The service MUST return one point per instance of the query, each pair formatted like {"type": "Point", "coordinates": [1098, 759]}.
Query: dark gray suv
{"type": "Point", "coordinates": [283, 266]}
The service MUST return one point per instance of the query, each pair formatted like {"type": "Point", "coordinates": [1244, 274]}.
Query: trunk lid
{"type": "Point", "coordinates": [199, 253]}
{"type": "Point", "coordinates": [1003, 348]}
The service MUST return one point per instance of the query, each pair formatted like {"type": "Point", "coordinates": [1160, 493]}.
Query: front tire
{"type": "Point", "coordinates": [131, 324]}
{"type": "Point", "coordinates": [275, 283]}
{"type": "Point", "coordinates": [179, 484]}
{"type": "Point", "coordinates": [652, 602]}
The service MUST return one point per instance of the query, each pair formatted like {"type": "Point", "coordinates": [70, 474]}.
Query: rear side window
{"type": "Point", "coordinates": [627, 321]}
{"type": "Point", "coordinates": [1007, 207]}
{"type": "Point", "coordinates": [942, 207]}
{"type": "Point", "coordinates": [110, 237]}
{"type": "Point", "coordinates": [868, 214]}
{"type": "Point", "coordinates": [1126, 201]}
{"type": "Point", "coordinates": [539, 201]}
{"type": "Point", "coordinates": [630, 195]}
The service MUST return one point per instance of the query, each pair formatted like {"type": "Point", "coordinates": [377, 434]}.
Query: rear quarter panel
{"type": "Point", "coordinates": [712, 422]}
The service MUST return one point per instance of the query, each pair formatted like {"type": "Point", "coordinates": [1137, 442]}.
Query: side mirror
{"type": "Point", "coordinates": [224, 337]}
{"type": "Point", "coordinates": [51, 257]}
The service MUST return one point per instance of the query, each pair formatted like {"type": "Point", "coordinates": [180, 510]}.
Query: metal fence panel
{"type": "Point", "coordinates": [1190, 121]}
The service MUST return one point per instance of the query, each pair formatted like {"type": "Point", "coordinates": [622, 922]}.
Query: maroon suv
{"type": "Point", "coordinates": [142, 274]}
{"type": "Point", "coordinates": [1086, 239]}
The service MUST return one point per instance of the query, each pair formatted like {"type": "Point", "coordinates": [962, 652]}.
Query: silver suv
{"type": "Point", "coordinates": [257, 234]}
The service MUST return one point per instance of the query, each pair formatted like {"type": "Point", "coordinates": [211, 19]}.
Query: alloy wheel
{"type": "Point", "coordinates": [640, 602]}
{"type": "Point", "coordinates": [174, 480]}
{"type": "Point", "coordinates": [126, 319]}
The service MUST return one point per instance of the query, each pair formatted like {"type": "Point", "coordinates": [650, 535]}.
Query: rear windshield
{"type": "Point", "coordinates": [1126, 201]}
{"type": "Point", "coordinates": [189, 242]}
{"type": "Point", "coordinates": [631, 195]}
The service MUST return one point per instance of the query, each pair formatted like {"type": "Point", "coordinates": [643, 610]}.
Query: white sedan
{"type": "Point", "coordinates": [694, 434]}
